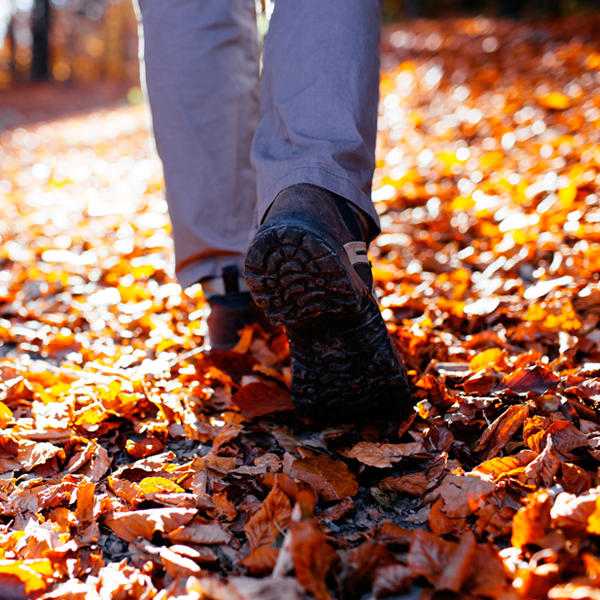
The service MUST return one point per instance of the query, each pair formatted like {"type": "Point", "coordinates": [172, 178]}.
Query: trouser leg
{"type": "Point", "coordinates": [319, 94]}
{"type": "Point", "coordinates": [201, 62]}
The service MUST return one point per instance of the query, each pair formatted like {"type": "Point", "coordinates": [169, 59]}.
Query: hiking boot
{"type": "Point", "coordinates": [307, 268]}
{"type": "Point", "coordinates": [231, 308]}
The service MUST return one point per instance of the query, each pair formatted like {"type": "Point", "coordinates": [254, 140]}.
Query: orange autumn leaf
{"type": "Point", "coordinates": [428, 555]}
{"type": "Point", "coordinates": [224, 507]}
{"type": "Point", "coordinates": [178, 566]}
{"type": "Point", "coordinates": [503, 465]}
{"type": "Point", "coordinates": [84, 511]}
{"type": "Point", "coordinates": [593, 523]}
{"type": "Point", "coordinates": [531, 522]}
{"type": "Point", "coordinates": [147, 447]}
{"type": "Point", "coordinates": [537, 378]}
{"type": "Point", "coordinates": [592, 566]}
{"type": "Point", "coordinates": [456, 571]}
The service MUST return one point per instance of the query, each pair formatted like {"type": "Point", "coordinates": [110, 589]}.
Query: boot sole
{"type": "Point", "coordinates": [342, 356]}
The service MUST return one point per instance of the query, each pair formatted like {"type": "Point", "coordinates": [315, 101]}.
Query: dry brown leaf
{"type": "Point", "coordinates": [501, 430]}
{"type": "Point", "coordinates": [380, 455]}
{"type": "Point", "coordinates": [261, 560]}
{"type": "Point", "coordinates": [414, 484]}
{"type": "Point", "coordinates": [178, 566]}
{"type": "Point", "coordinates": [196, 532]}
{"type": "Point", "coordinates": [428, 555]}
{"type": "Point", "coordinates": [246, 588]}
{"type": "Point", "coordinates": [29, 576]}
{"type": "Point", "coordinates": [461, 495]}
{"type": "Point", "coordinates": [456, 571]}
{"type": "Point", "coordinates": [331, 479]}
{"type": "Point", "coordinates": [312, 556]}
{"type": "Point", "coordinates": [130, 524]}
{"type": "Point", "coordinates": [391, 579]}
{"type": "Point", "coordinates": [270, 520]}
{"type": "Point", "coordinates": [258, 398]}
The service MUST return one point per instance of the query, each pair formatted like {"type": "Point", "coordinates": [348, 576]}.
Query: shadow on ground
{"type": "Point", "coordinates": [28, 104]}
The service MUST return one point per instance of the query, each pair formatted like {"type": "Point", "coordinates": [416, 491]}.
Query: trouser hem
{"type": "Point", "coordinates": [208, 267]}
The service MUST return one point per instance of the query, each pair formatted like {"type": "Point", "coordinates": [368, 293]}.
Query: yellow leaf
{"type": "Point", "coordinates": [384, 274]}
{"type": "Point", "coordinates": [154, 485]}
{"type": "Point", "coordinates": [555, 101]}
{"type": "Point", "coordinates": [492, 159]}
{"type": "Point", "coordinates": [485, 358]}
{"type": "Point", "coordinates": [567, 195]}
{"type": "Point", "coordinates": [593, 523]}
{"type": "Point", "coordinates": [5, 415]}
{"type": "Point", "coordinates": [461, 203]}
{"type": "Point", "coordinates": [34, 573]}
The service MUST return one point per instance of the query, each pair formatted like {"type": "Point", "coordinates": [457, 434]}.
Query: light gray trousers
{"type": "Point", "coordinates": [227, 152]}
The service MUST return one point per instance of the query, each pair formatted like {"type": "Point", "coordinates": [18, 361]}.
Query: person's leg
{"type": "Point", "coordinates": [319, 94]}
{"type": "Point", "coordinates": [201, 61]}
{"type": "Point", "coordinates": [307, 265]}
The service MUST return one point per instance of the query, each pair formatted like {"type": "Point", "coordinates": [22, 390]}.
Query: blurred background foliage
{"type": "Point", "coordinates": [67, 40]}
{"type": "Point", "coordinates": [93, 40]}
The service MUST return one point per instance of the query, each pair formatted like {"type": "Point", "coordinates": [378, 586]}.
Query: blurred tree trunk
{"type": "Point", "coordinates": [12, 46]}
{"type": "Point", "coordinates": [40, 32]}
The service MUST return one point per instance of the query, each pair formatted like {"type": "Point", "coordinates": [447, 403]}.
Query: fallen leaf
{"type": "Point", "coordinates": [153, 485]}
{"type": "Point", "coordinates": [457, 570]}
{"type": "Point", "coordinates": [261, 560]}
{"type": "Point", "coordinates": [501, 430]}
{"type": "Point", "coordinates": [413, 484]}
{"type": "Point", "coordinates": [130, 524]}
{"type": "Point", "coordinates": [258, 398]}
{"type": "Point", "coordinates": [380, 455]}
{"type": "Point", "coordinates": [531, 522]}
{"type": "Point", "coordinates": [312, 556]}
{"type": "Point", "coordinates": [331, 479]}
{"type": "Point", "coordinates": [537, 379]}
{"type": "Point", "coordinates": [196, 532]}
{"type": "Point", "coordinates": [270, 520]}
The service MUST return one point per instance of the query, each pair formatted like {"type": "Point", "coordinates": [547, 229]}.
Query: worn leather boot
{"type": "Point", "coordinates": [307, 268]}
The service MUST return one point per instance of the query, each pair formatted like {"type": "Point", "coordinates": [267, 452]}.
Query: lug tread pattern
{"type": "Point", "coordinates": [294, 278]}
{"type": "Point", "coordinates": [344, 363]}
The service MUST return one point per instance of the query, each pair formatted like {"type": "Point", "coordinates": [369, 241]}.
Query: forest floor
{"type": "Point", "coordinates": [136, 464]}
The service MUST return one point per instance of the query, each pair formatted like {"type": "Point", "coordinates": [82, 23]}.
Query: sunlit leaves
{"type": "Point", "coordinates": [131, 458]}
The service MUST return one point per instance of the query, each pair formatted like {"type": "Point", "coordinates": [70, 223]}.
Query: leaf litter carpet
{"type": "Point", "coordinates": [136, 465]}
